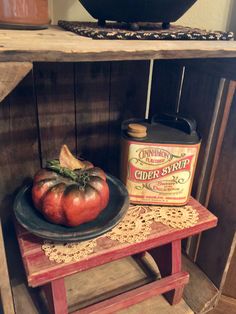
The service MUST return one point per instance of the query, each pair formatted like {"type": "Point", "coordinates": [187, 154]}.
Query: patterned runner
{"type": "Point", "coordinates": [148, 31]}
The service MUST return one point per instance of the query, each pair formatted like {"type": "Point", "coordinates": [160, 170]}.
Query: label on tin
{"type": "Point", "coordinates": [160, 174]}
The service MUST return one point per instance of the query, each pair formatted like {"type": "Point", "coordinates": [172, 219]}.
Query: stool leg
{"type": "Point", "coordinates": [168, 259]}
{"type": "Point", "coordinates": [55, 293]}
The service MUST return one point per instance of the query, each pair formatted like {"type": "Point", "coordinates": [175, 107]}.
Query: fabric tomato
{"type": "Point", "coordinates": [70, 197]}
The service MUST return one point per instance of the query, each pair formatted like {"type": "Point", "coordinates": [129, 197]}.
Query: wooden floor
{"type": "Point", "coordinates": [226, 305]}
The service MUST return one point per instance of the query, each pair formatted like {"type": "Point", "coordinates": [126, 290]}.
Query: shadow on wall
{"type": "Point", "coordinates": [232, 17]}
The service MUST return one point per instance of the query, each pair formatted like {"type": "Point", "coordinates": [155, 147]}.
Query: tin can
{"type": "Point", "coordinates": [159, 158]}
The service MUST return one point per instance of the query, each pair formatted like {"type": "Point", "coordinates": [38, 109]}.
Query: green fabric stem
{"type": "Point", "coordinates": [80, 176]}
{"type": "Point", "coordinates": [54, 165]}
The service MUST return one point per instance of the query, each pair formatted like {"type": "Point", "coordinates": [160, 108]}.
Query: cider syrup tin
{"type": "Point", "coordinates": [158, 159]}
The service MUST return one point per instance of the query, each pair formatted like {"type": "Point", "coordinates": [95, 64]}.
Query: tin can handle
{"type": "Point", "coordinates": [184, 124]}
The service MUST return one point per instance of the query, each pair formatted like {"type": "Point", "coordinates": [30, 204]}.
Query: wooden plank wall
{"type": "Point", "coordinates": [19, 156]}
{"type": "Point", "coordinates": [218, 245]}
{"type": "Point", "coordinates": [80, 104]}
{"type": "Point", "coordinates": [54, 91]}
{"type": "Point", "coordinates": [205, 91]}
{"type": "Point", "coordinates": [83, 105]}
{"type": "Point", "coordinates": [181, 89]}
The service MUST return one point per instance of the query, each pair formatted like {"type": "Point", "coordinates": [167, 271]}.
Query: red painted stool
{"type": "Point", "coordinates": [163, 243]}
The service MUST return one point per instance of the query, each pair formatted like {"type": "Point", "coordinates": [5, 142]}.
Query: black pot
{"type": "Point", "coordinates": [137, 10]}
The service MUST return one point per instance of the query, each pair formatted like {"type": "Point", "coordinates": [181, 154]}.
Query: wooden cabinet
{"type": "Point", "coordinates": [69, 97]}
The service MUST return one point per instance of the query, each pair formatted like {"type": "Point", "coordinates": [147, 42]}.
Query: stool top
{"type": "Point", "coordinates": [40, 270]}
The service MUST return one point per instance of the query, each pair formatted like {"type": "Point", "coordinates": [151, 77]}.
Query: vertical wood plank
{"type": "Point", "coordinates": [229, 287]}
{"type": "Point", "coordinates": [218, 242]}
{"type": "Point", "coordinates": [223, 116]}
{"type": "Point", "coordinates": [92, 111]}
{"type": "Point", "coordinates": [128, 95]}
{"type": "Point", "coordinates": [213, 148]}
{"type": "Point", "coordinates": [198, 101]}
{"type": "Point", "coordinates": [166, 86]}
{"type": "Point", "coordinates": [5, 168]}
{"type": "Point", "coordinates": [56, 108]}
{"type": "Point", "coordinates": [19, 142]}
{"type": "Point", "coordinates": [167, 83]}
{"type": "Point", "coordinates": [6, 298]}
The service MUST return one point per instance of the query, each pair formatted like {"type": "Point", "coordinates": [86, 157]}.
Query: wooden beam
{"type": "Point", "coordinates": [137, 295]}
{"type": "Point", "coordinates": [56, 44]}
{"type": "Point", "coordinates": [5, 288]}
{"type": "Point", "coordinates": [11, 73]}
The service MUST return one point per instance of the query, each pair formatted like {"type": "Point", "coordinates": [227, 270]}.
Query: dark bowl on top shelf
{"type": "Point", "coordinates": [132, 11]}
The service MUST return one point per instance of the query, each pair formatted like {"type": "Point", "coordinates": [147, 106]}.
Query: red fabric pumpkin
{"type": "Point", "coordinates": [70, 197]}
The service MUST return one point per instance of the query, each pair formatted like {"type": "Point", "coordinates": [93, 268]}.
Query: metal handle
{"type": "Point", "coordinates": [187, 125]}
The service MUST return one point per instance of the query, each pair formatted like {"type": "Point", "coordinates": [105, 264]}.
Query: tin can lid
{"type": "Point", "coordinates": [137, 130]}
{"type": "Point", "coordinates": [164, 129]}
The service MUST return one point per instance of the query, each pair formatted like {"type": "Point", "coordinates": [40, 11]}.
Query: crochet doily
{"type": "Point", "coordinates": [179, 218]}
{"type": "Point", "coordinates": [68, 252]}
{"type": "Point", "coordinates": [135, 227]}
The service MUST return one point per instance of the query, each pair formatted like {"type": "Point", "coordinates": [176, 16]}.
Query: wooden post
{"type": "Point", "coordinates": [168, 259]}
{"type": "Point", "coordinates": [55, 293]}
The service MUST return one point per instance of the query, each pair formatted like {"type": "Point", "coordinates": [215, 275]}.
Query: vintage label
{"type": "Point", "coordinates": [160, 174]}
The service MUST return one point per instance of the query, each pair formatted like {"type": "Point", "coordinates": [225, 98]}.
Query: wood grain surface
{"type": "Point", "coordinates": [55, 44]}
{"type": "Point", "coordinates": [137, 295]}
{"type": "Point", "coordinates": [221, 68]}
{"type": "Point", "coordinates": [166, 87]}
{"type": "Point", "coordinates": [54, 85]}
{"type": "Point", "coordinates": [11, 74]}
{"type": "Point", "coordinates": [92, 91]}
{"type": "Point", "coordinates": [198, 101]}
{"type": "Point", "coordinates": [222, 203]}
{"type": "Point", "coordinates": [19, 158]}
{"type": "Point", "coordinates": [128, 95]}
{"type": "Point", "coordinates": [54, 88]}
{"type": "Point", "coordinates": [225, 305]}
{"type": "Point", "coordinates": [6, 299]}
{"type": "Point", "coordinates": [94, 285]}
{"type": "Point", "coordinates": [229, 288]}
{"type": "Point", "coordinates": [168, 259]}
{"type": "Point", "coordinates": [200, 294]}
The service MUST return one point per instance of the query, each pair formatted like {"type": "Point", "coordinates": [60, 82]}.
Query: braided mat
{"type": "Point", "coordinates": [148, 31]}
{"type": "Point", "coordinates": [135, 227]}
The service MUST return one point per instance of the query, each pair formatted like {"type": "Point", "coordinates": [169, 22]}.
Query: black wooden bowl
{"type": "Point", "coordinates": [137, 10]}
{"type": "Point", "coordinates": [33, 221]}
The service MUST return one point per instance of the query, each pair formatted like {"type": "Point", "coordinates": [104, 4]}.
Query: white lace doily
{"type": "Point", "coordinates": [135, 227]}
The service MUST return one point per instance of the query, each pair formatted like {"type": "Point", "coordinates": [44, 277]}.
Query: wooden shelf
{"type": "Point", "coordinates": [55, 44]}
